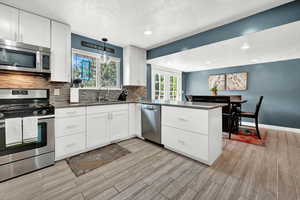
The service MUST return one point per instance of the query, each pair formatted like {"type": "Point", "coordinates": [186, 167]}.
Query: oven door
{"type": "Point", "coordinates": [44, 143]}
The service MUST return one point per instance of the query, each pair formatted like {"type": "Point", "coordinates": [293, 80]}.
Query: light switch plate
{"type": "Point", "coordinates": [56, 92]}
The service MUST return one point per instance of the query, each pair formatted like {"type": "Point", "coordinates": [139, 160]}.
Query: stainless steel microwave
{"type": "Point", "coordinates": [18, 56]}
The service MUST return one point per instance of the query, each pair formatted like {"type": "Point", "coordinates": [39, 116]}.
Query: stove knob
{"type": "Point", "coordinates": [35, 112]}
{"type": "Point", "coordinates": [44, 112]}
{"type": "Point", "coordinates": [1, 115]}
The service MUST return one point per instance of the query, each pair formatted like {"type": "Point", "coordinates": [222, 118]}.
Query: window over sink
{"type": "Point", "coordinates": [94, 74]}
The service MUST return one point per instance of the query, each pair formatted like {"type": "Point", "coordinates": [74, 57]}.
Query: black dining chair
{"type": "Point", "coordinates": [254, 115]}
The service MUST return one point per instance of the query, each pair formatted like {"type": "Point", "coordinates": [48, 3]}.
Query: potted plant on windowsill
{"type": "Point", "coordinates": [214, 91]}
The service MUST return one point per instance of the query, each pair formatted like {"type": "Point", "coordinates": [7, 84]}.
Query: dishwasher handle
{"type": "Point", "coordinates": [151, 108]}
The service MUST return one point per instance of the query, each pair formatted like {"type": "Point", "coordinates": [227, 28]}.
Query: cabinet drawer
{"type": "Point", "coordinates": [188, 119]}
{"type": "Point", "coordinates": [69, 126]}
{"type": "Point", "coordinates": [69, 145]}
{"type": "Point", "coordinates": [192, 144]}
{"type": "Point", "coordinates": [69, 112]}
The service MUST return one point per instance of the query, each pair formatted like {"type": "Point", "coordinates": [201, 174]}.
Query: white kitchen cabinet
{"type": "Point", "coordinates": [34, 29]}
{"type": "Point", "coordinates": [186, 142]}
{"type": "Point", "coordinates": [134, 70]}
{"type": "Point", "coordinates": [97, 130]}
{"type": "Point", "coordinates": [69, 145]}
{"type": "Point", "coordinates": [196, 133]}
{"type": "Point", "coordinates": [69, 126]}
{"type": "Point", "coordinates": [138, 115]}
{"type": "Point", "coordinates": [60, 52]}
{"type": "Point", "coordinates": [70, 132]}
{"type": "Point", "coordinates": [119, 125]}
{"type": "Point", "coordinates": [110, 124]}
{"type": "Point", "coordinates": [9, 21]}
{"type": "Point", "coordinates": [132, 119]}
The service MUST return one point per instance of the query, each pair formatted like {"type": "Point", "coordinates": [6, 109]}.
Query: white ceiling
{"type": "Point", "coordinates": [279, 43]}
{"type": "Point", "coordinates": [124, 21]}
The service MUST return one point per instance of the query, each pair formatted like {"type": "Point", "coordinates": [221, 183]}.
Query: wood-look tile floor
{"type": "Point", "coordinates": [243, 172]}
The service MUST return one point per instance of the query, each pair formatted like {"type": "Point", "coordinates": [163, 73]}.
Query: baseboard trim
{"type": "Point", "coordinates": [279, 128]}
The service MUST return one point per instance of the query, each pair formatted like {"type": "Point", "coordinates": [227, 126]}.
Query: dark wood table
{"type": "Point", "coordinates": [238, 102]}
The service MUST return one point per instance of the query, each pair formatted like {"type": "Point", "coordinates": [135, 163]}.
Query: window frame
{"type": "Point", "coordinates": [167, 73]}
{"type": "Point", "coordinates": [97, 56]}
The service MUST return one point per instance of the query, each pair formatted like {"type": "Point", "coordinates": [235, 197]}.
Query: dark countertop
{"type": "Point", "coordinates": [186, 104]}
{"type": "Point", "coordinates": [70, 105]}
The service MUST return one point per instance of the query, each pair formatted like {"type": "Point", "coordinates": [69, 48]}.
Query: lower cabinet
{"type": "Point", "coordinates": [119, 125]}
{"type": "Point", "coordinates": [69, 145]}
{"type": "Point", "coordinates": [192, 144]}
{"type": "Point", "coordinates": [196, 133]}
{"type": "Point", "coordinates": [85, 128]}
{"type": "Point", "coordinates": [97, 130]}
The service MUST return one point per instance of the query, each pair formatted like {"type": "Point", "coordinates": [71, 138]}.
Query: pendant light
{"type": "Point", "coordinates": [104, 57]}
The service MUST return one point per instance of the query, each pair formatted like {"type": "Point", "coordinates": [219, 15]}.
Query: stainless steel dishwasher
{"type": "Point", "coordinates": [151, 122]}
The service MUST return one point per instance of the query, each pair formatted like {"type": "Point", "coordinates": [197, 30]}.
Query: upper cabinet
{"type": "Point", "coordinates": [134, 71]}
{"type": "Point", "coordinates": [9, 23]}
{"type": "Point", "coordinates": [34, 29]}
{"type": "Point", "coordinates": [60, 52]}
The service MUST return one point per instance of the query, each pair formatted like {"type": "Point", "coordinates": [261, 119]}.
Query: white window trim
{"type": "Point", "coordinates": [97, 56]}
{"type": "Point", "coordinates": [167, 72]}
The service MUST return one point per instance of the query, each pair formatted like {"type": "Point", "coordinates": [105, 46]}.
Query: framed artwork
{"type": "Point", "coordinates": [217, 80]}
{"type": "Point", "coordinates": [237, 81]}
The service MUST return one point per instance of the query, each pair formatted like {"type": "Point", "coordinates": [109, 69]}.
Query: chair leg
{"type": "Point", "coordinates": [229, 128]}
{"type": "Point", "coordinates": [257, 129]}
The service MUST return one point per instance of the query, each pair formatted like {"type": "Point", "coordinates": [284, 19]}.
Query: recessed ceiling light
{"type": "Point", "coordinates": [245, 46]}
{"type": "Point", "coordinates": [148, 32]}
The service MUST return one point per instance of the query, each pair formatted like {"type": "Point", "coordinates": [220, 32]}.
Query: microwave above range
{"type": "Point", "coordinates": [18, 56]}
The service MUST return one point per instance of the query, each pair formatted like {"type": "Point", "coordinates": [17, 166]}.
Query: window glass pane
{"type": "Point", "coordinates": [84, 68]}
{"type": "Point", "coordinates": [157, 86]}
{"type": "Point", "coordinates": [108, 75]}
{"type": "Point", "coordinates": [156, 77]}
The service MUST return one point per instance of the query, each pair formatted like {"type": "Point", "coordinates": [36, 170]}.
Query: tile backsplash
{"type": "Point", "coordinates": [27, 80]}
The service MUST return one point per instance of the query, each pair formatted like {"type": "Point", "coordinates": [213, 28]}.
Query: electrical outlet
{"type": "Point", "coordinates": [56, 92]}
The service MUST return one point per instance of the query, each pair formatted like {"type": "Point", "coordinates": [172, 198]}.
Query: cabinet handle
{"type": "Point", "coordinates": [181, 142]}
{"type": "Point", "coordinates": [183, 119]}
{"type": "Point", "coordinates": [70, 145]}
{"type": "Point", "coordinates": [72, 112]}
{"type": "Point", "coordinates": [71, 126]}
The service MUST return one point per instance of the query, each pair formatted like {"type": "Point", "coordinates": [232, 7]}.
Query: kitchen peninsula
{"type": "Point", "coordinates": [189, 128]}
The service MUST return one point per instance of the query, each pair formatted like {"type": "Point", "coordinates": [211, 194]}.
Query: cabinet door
{"type": "Point", "coordinates": [138, 115]}
{"type": "Point", "coordinates": [132, 119]}
{"type": "Point", "coordinates": [8, 23]}
{"type": "Point", "coordinates": [60, 52]}
{"type": "Point", "coordinates": [141, 67]}
{"type": "Point", "coordinates": [134, 66]}
{"type": "Point", "coordinates": [119, 125]}
{"type": "Point", "coordinates": [97, 130]}
{"type": "Point", "coordinates": [34, 29]}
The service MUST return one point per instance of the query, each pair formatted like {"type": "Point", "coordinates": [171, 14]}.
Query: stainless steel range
{"type": "Point", "coordinates": [26, 131]}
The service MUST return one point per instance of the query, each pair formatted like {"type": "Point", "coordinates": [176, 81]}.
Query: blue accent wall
{"type": "Point", "coordinates": [277, 16]}
{"type": "Point", "coordinates": [278, 82]}
{"type": "Point", "coordinates": [76, 44]}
